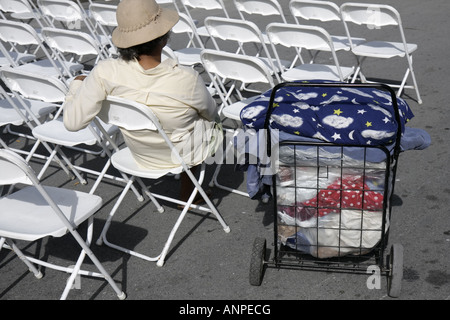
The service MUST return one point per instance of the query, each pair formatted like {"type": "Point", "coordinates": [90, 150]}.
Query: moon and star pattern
{"type": "Point", "coordinates": [342, 115]}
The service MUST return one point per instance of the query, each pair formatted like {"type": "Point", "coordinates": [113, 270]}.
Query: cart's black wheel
{"type": "Point", "coordinates": [395, 270]}
{"type": "Point", "coordinates": [257, 261]}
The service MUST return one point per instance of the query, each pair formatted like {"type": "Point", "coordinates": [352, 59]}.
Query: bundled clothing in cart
{"type": "Point", "coordinates": [336, 157]}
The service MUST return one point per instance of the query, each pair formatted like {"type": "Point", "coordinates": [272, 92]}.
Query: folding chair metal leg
{"type": "Point", "coordinates": [76, 270]}
{"type": "Point", "coordinates": [57, 150]}
{"type": "Point", "coordinates": [211, 206]}
{"type": "Point", "coordinates": [108, 153]}
{"type": "Point", "coordinates": [214, 180]}
{"type": "Point", "coordinates": [25, 260]}
{"type": "Point", "coordinates": [187, 205]}
{"type": "Point", "coordinates": [87, 251]}
{"type": "Point", "coordinates": [102, 238]}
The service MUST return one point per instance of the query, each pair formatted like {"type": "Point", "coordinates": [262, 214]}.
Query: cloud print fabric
{"type": "Point", "coordinates": [342, 115]}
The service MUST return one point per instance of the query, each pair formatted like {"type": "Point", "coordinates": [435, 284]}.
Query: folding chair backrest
{"type": "Point", "coordinates": [205, 5]}
{"type": "Point", "coordinates": [300, 36]}
{"type": "Point", "coordinates": [13, 37]}
{"type": "Point", "coordinates": [238, 67]}
{"type": "Point", "coordinates": [186, 25]}
{"type": "Point", "coordinates": [233, 29]}
{"type": "Point", "coordinates": [105, 14]}
{"type": "Point", "coordinates": [314, 10]}
{"type": "Point", "coordinates": [15, 6]}
{"type": "Point", "coordinates": [373, 15]}
{"type": "Point", "coordinates": [259, 7]}
{"type": "Point", "coordinates": [33, 86]}
{"type": "Point", "coordinates": [168, 53]}
{"type": "Point", "coordinates": [10, 174]}
{"type": "Point", "coordinates": [21, 9]}
{"type": "Point", "coordinates": [25, 35]}
{"type": "Point", "coordinates": [12, 162]}
{"type": "Point", "coordinates": [18, 32]}
{"type": "Point", "coordinates": [127, 114]}
{"type": "Point", "coordinates": [71, 41]}
{"type": "Point", "coordinates": [61, 10]}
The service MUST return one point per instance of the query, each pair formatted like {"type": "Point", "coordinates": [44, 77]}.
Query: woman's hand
{"type": "Point", "coordinates": [80, 78]}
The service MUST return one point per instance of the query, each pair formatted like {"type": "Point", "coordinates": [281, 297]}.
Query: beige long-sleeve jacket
{"type": "Point", "coordinates": [176, 94]}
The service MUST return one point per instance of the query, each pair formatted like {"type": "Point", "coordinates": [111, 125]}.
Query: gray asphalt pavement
{"type": "Point", "coordinates": [206, 263]}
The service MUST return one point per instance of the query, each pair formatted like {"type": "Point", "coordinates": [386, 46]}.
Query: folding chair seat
{"type": "Point", "coordinates": [131, 115]}
{"type": "Point", "coordinates": [21, 35]}
{"type": "Point", "coordinates": [325, 13]}
{"type": "Point", "coordinates": [228, 71]}
{"type": "Point", "coordinates": [377, 18]}
{"type": "Point", "coordinates": [37, 212]}
{"type": "Point", "coordinates": [31, 86]}
{"type": "Point", "coordinates": [239, 33]}
{"type": "Point", "coordinates": [308, 38]}
{"type": "Point", "coordinates": [188, 54]}
{"type": "Point", "coordinates": [12, 58]}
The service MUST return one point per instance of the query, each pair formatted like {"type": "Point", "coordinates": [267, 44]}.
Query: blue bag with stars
{"type": "Point", "coordinates": [338, 114]}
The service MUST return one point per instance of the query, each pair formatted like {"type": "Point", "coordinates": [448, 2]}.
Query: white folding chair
{"type": "Point", "coordinates": [21, 34]}
{"type": "Point", "coordinates": [15, 111]}
{"type": "Point", "coordinates": [22, 10]}
{"type": "Point", "coordinates": [255, 9]}
{"type": "Point", "coordinates": [131, 115]}
{"type": "Point", "coordinates": [241, 32]}
{"type": "Point", "coordinates": [11, 175]}
{"type": "Point", "coordinates": [38, 212]}
{"type": "Point", "coordinates": [188, 53]}
{"type": "Point", "coordinates": [228, 71]}
{"type": "Point", "coordinates": [104, 16]}
{"type": "Point", "coordinates": [73, 46]}
{"type": "Point", "coordinates": [308, 38]}
{"type": "Point", "coordinates": [375, 17]}
{"type": "Point", "coordinates": [31, 86]}
{"type": "Point", "coordinates": [12, 58]}
{"type": "Point", "coordinates": [212, 7]}
{"type": "Point", "coordinates": [325, 12]}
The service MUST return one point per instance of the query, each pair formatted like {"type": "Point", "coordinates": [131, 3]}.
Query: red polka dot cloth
{"type": "Point", "coordinates": [350, 192]}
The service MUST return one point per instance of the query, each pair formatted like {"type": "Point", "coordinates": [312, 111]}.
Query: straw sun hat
{"type": "Point", "coordinates": [140, 21]}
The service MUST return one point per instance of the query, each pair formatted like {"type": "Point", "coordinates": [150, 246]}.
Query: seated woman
{"type": "Point", "coordinates": [176, 94]}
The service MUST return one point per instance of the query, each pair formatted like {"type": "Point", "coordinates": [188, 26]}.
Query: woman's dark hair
{"type": "Point", "coordinates": [146, 48]}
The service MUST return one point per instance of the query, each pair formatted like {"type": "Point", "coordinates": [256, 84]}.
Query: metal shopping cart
{"type": "Point", "coordinates": [332, 202]}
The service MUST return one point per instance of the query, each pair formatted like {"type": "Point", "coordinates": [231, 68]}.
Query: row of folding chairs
{"type": "Point", "coordinates": [26, 88]}
{"type": "Point", "coordinates": [302, 11]}
{"type": "Point", "coordinates": [360, 25]}
{"type": "Point", "coordinates": [35, 75]}
{"type": "Point", "coordinates": [117, 112]}
{"type": "Point", "coordinates": [66, 14]}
